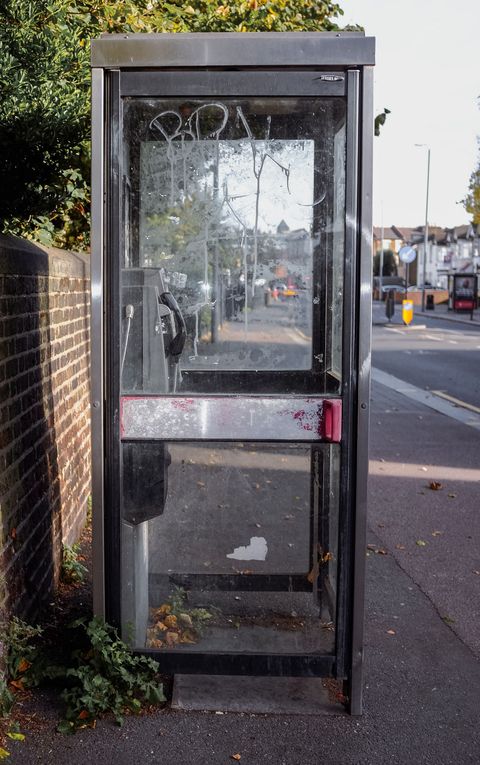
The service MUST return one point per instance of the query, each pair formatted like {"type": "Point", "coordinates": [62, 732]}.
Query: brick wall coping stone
{"type": "Point", "coordinates": [21, 257]}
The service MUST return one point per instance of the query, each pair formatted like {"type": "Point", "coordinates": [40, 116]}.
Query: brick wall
{"type": "Point", "coordinates": [44, 415]}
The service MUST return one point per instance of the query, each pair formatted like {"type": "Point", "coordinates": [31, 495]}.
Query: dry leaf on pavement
{"type": "Point", "coordinates": [435, 485]}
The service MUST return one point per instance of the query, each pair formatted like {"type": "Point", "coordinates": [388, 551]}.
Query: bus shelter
{"type": "Point", "coordinates": [462, 292]}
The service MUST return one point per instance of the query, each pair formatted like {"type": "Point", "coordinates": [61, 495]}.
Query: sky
{"type": "Point", "coordinates": [428, 74]}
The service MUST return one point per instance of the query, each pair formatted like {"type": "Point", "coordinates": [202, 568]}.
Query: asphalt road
{"type": "Point", "coordinates": [445, 356]}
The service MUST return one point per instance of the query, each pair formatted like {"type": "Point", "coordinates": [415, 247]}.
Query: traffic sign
{"type": "Point", "coordinates": [407, 254]}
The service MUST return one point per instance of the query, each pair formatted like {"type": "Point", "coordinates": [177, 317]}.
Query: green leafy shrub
{"type": "Point", "coordinates": [45, 86]}
{"type": "Point", "coordinates": [20, 647]}
{"type": "Point", "coordinates": [6, 697]}
{"type": "Point", "coordinates": [107, 677]}
{"type": "Point", "coordinates": [72, 570]}
{"type": "Point", "coordinates": [101, 676]}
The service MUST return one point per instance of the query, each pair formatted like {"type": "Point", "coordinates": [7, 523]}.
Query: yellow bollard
{"type": "Point", "coordinates": [407, 311]}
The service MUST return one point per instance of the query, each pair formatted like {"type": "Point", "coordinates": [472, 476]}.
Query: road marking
{"type": "Point", "coordinates": [428, 398]}
{"type": "Point", "coordinates": [437, 339]}
{"type": "Point", "coordinates": [456, 401]}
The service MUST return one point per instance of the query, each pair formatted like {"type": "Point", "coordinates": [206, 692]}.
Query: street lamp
{"type": "Point", "coordinates": [425, 236]}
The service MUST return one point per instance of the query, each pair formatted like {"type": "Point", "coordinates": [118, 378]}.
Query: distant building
{"type": "Point", "coordinates": [449, 249]}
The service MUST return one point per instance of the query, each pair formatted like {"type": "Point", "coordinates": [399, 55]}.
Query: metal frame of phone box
{"type": "Point", "coordinates": [231, 64]}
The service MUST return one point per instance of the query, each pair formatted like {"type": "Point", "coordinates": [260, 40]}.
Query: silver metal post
{"type": "Point", "coordinates": [425, 234]}
{"type": "Point", "coordinates": [381, 260]}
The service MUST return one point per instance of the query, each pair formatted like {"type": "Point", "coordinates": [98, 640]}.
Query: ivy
{"type": "Point", "coordinates": [101, 675]}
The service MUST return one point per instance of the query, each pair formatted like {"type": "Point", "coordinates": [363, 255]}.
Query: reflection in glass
{"type": "Point", "coordinates": [239, 206]}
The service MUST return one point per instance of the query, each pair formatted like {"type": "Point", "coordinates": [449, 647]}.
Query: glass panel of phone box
{"type": "Point", "coordinates": [232, 212]}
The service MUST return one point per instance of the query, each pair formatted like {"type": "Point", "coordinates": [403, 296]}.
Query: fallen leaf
{"type": "Point", "coordinates": [435, 485]}
{"type": "Point", "coordinates": [391, 632]}
{"type": "Point", "coordinates": [448, 620]}
{"type": "Point", "coordinates": [16, 736]}
{"type": "Point", "coordinates": [201, 484]}
{"type": "Point", "coordinates": [437, 533]}
{"type": "Point", "coordinates": [421, 543]}
{"type": "Point", "coordinates": [236, 757]}
{"type": "Point", "coordinates": [18, 684]}
{"type": "Point", "coordinates": [83, 715]}
{"type": "Point", "coordinates": [186, 620]}
{"type": "Point", "coordinates": [3, 753]}
{"type": "Point", "coordinates": [476, 572]}
{"type": "Point", "coordinates": [399, 547]}
{"type": "Point", "coordinates": [23, 666]}
{"type": "Point", "coordinates": [378, 550]}
{"type": "Point", "coordinates": [452, 495]}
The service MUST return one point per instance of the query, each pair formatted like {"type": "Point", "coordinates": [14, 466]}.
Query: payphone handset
{"type": "Point", "coordinates": [153, 333]}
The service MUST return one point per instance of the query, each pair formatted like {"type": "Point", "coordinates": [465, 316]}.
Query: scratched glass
{"type": "Point", "coordinates": [239, 553]}
{"type": "Point", "coordinates": [235, 208]}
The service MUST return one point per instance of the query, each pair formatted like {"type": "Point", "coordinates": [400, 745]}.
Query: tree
{"type": "Point", "coordinates": [472, 200]}
{"type": "Point", "coordinates": [45, 84]}
{"type": "Point", "coordinates": [389, 264]}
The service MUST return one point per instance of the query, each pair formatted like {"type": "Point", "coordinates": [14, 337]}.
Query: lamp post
{"type": "Point", "coordinates": [425, 235]}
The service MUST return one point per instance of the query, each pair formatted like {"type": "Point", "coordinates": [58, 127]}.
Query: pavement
{"type": "Point", "coordinates": [422, 640]}
{"type": "Point", "coordinates": [440, 312]}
